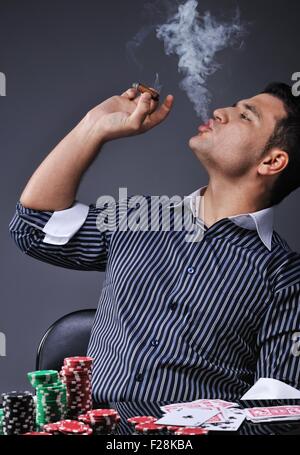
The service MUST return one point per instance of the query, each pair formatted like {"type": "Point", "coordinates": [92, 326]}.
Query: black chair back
{"type": "Point", "coordinates": [67, 337]}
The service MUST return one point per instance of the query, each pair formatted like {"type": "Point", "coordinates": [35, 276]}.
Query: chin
{"type": "Point", "coordinates": [197, 145]}
{"type": "Point", "coordinates": [194, 142]}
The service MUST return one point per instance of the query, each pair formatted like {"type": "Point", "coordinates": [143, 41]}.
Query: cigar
{"type": "Point", "coordinates": [142, 88]}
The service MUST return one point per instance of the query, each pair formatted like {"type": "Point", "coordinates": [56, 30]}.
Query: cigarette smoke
{"type": "Point", "coordinates": [195, 39]}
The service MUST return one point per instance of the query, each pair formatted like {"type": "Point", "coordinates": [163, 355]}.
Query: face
{"type": "Point", "coordinates": [237, 135]}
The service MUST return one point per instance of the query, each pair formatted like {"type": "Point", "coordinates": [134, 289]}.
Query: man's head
{"type": "Point", "coordinates": [257, 139]}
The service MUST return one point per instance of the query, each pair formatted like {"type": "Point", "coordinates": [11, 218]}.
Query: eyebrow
{"type": "Point", "coordinates": [249, 107]}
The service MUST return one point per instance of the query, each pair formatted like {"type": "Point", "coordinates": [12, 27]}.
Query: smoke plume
{"type": "Point", "coordinates": [195, 39]}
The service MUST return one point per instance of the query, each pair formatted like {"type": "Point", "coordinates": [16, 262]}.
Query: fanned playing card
{"type": "Point", "coordinates": [188, 417]}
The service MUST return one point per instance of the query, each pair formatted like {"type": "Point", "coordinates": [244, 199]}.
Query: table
{"type": "Point", "coordinates": [130, 409]}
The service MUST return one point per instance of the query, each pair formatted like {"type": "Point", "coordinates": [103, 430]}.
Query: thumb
{"type": "Point", "coordinates": [141, 111]}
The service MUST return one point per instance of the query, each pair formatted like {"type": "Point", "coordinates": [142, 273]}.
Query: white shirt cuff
{"type": "Point", "coordinates": [271, 389]}
{"type": "Point", "coordinates": [63, 224]}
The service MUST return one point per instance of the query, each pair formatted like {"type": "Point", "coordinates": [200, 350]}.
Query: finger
{"type": "Point", "coordinates": [141, 111]}
{"type": "Point", "coordinates": [153, 103]}
{"type": "Point", "coordinates": [130, 93]}
{"type": "Point", "coordinates": [160, 114]}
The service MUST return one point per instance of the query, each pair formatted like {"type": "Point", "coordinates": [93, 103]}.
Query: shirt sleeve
{"type": "Point", "coordinates": [68, 238]}
{"type": "Point", "coordinates": [278, 339]}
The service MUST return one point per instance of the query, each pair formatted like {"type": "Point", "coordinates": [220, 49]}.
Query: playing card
{"type": "Point", "coordinates": [215, 403]}
{"type": "Point", "coordinates": [189, 417]}
{"type": "Point", "coordinates": [202, 403]}
{"type": "Point", "coordinates": [274, 419]}
{"type": "Point", "coordinates": [232, 420]}
{"type": "Point", "coordinates": [273, 412]}
{"type": "Point", "coordinates": [217, 418]}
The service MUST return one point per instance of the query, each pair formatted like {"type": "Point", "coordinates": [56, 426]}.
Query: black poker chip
{"type": "Point", "coordinates": [18, 412]}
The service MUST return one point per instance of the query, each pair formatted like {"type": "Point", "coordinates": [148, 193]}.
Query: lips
{"type": "Point", "coordinates": [206, 127]}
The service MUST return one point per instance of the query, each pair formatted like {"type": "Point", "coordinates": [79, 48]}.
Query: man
{"type": "Point", "coordinates": [178, 319]}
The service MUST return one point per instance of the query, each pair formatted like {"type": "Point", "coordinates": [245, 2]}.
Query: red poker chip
{"type": "Point", "coordinates": [173, 428]}
{"type": "Point", "coordinates": [191, 431]}
{"type": "Point", "coordinates": [79, 391]}
{"type": "Point", "coordinates": [65, 421]}
{"type": "Point", "coordinates": [72, 379]}
{"type": "Point", "coordinates": [80, 388]}
{"type": "Point", "coordinates": [79, 401]}
{"type": "Point", "coordinates": [77, 360]}
{"type": "Point", "coordinates": [103, 412]}
{"type": "Point", "coordinates": [88, 432]}
{"type": "Point", "coordinates": [149, 427]}
{"type": "Point", "coordinates": [75, 372]}
{"type": "Point", "coordinates": [77, 369]}
{"type": "Point", "coordinates": [76, 379]}
{"type": "Point", "coordinates": [51, 427]}
{"type": "Point", "coordinates": [141, 419]}
{"type": "Point", "coordinates": [73, 426]}
{"type": "Point", "coordinates": [79, 407]}
{"type": "Point", "coordinates": [84, 418]}
{"type": "Point", "coordinates": [107, 416]}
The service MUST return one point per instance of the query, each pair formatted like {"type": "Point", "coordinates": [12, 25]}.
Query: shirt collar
{"type": "Point", "coordinates": [261, 221]}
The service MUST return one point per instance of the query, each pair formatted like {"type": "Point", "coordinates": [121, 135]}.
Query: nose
{"type": "Point", "coordinates": [221, 115]}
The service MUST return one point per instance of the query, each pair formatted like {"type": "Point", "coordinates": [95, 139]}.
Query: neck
{"type": "Point", "coordinates": [222, 199]}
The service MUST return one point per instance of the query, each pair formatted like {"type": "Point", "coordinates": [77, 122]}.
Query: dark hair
{"type": "Point", "coordinates": [286, 136]}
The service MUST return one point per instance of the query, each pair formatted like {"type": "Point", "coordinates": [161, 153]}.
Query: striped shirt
{"type": "Point", "coordinates": [178, 319]}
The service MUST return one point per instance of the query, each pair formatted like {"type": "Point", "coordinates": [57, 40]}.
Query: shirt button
{"type": "Point", "coordinates": [139, 377]}
{"type": "Point", "coordinates": [173, 306]}
{"type": "Point", "coordinates": [154, 342]}
{"type": "Point", "coordinates": [191, 270]}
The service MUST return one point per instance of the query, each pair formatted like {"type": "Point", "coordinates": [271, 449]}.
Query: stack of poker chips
{"type": "Point", "coordinates": [51, 396]}
{"type": "Point", "coordinates": [1, 421]}
{"type": "Point", "coordinates": [150, 428]}
{"type": "Point", "coordinates": [76, 374]}
{"type": "Point", "coordinates": [73, 427]}
{"type": "Point", "coordinates": [136, 420]}
{"type": "Point", "coordinates": [102, 421]}
{"type": "Point", "coordinates": [18, 412]}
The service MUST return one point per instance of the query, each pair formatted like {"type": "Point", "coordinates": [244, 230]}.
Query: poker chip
{"type": "Point", "coordinates": [52, 428]}
{"type": "Point", "coordinates": [78, 360]}
{"type": "Point", "coordinates": [60, 398]}
{"type": "Point", "coordinates": [18, 413]}
{"type": "Point", "coordinates": [84, 418]}
{"type": "Point", "coordinates": [42, 377]}
{"type": "Point", "coordinates": [51, 396]}
{"type": "Point", "coordinates": [141, 419]}
{"type": "Point", "coordinates": [104, 416]}
{"type": "Point", "coordinates": [72, 426]}
{"type": "Point", "coordinates": [98, 413]}
{"type": "Point", "coordinates": [76, 375]}
{"type": "Point", "coordinates": [172, 428]}
{"type": "Point", "coordinates": [191, 431]}
{"type": "Point", "coordinates": [102, 421]}
{"type": "Point", "coordinates": [149, 428]}
{"type": "Point", "coordinates": [88, 432]}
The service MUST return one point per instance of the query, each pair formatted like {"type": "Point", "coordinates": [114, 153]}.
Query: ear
{"type": "Point", "coordinates": [274, 162]}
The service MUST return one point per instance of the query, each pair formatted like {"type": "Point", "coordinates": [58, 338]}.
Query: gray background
{"type": "Point", "coordinates": [63, 57]}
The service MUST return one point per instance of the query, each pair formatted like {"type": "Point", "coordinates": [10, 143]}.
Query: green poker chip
{"type": "Point", "coordinates": [42, 377]}
{"type": "Point", "coordinates": [51, 396]}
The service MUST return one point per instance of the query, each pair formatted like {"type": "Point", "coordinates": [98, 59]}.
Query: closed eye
{"type": "Point", "coordinates": [245, 117]}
